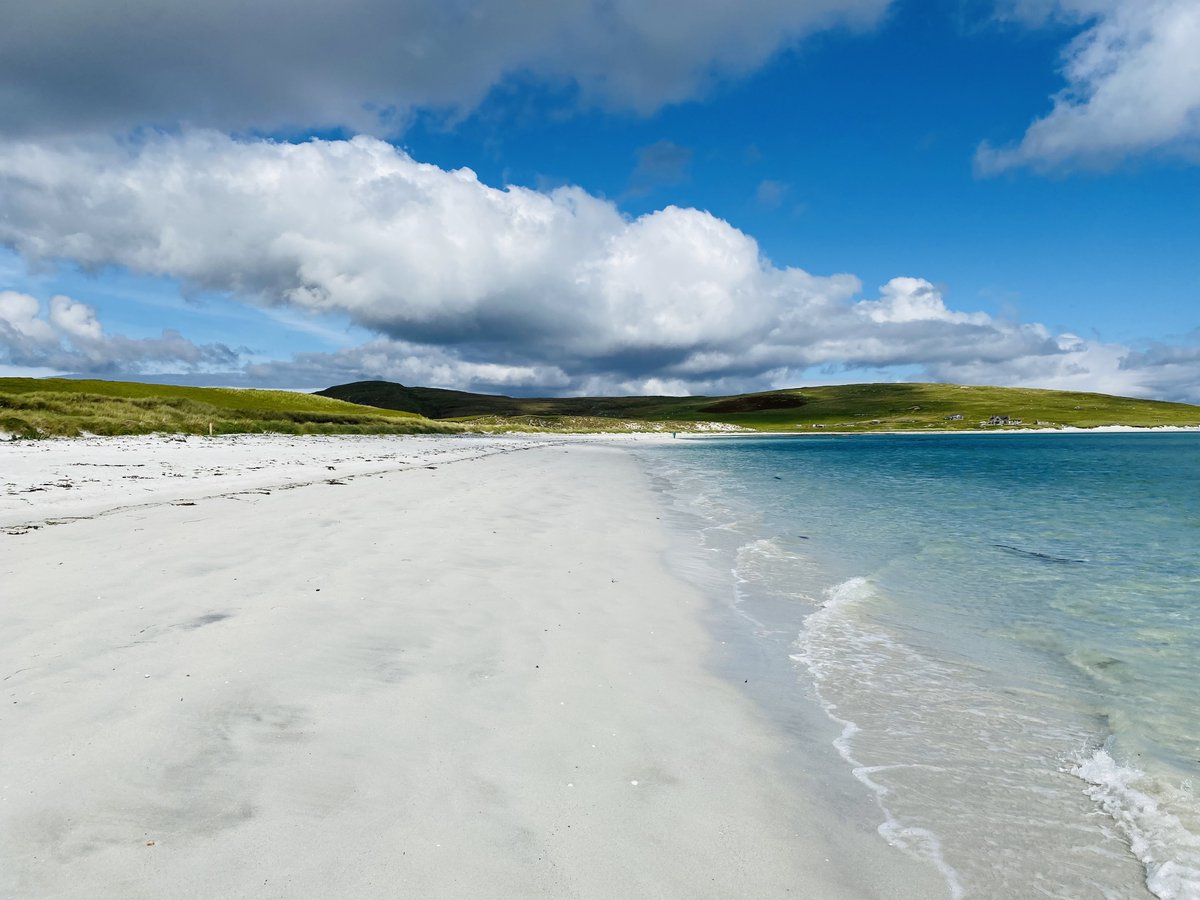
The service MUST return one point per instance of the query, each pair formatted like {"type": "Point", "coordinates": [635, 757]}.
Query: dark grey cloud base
{"type": "Point", "coordinates": [79, 65]}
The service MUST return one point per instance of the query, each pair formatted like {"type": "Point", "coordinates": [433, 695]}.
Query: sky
{"type": "Point", "coordinates": [560, 197]}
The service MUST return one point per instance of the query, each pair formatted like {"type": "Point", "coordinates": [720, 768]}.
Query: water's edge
{"type": "Point", "coordinates": [792, 629]}
{"type": "Point", "coordinates": [757, 658]}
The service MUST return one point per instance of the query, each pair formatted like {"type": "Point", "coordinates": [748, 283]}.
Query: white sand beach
{"type": "Point", "coordinates": [444, 667]}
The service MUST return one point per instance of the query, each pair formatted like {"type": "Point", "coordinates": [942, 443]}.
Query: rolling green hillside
{"type": "Point", "coordinates": [32, 407]}
{"type": "Point", "coordinates": [50, 407]}
{"type": "Point", "coordinates": [854, 407]}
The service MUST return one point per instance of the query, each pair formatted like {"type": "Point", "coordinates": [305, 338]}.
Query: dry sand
{"type": "Point", "coordinates": [474, 680]}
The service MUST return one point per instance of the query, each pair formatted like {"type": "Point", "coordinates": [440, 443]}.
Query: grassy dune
{"type": "Point", "coordinates": [854, 407]}
{"type": "Point", "coordinates": [32, 407]}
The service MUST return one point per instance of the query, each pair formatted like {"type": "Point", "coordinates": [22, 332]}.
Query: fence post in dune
{"type": "Point", "coordinates": [210, 433]}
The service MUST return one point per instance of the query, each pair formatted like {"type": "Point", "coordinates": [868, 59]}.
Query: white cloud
{"type": "Point", "coordinates": [914, 300]}
{"type": "Point", "coordinates": [21, 325]}
{"type": "Point", "coordinates": [75, 320]}
{"type": "Point", "coordinates": [78, 65]}
{"type": "Point", "coordinates": [402, 247]}
{"type": "Point", "coordinates": [1133, 86]}
{"type": "Point", "coordinates": [472, 286]}
{"type": "Point", "coordinates": [70, 339]}
{"type": "Point", "coordinates": [1162, 372]}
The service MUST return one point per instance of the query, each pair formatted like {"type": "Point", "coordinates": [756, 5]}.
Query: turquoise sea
{"type": "Point", "coordinates": [1003, 630]}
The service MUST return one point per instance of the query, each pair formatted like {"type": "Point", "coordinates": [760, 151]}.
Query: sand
{"type": "Point", "coordinates": [469, 674]}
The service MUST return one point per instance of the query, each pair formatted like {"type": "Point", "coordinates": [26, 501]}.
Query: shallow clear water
{"type": "Point", "coordinates": [1006, 629]}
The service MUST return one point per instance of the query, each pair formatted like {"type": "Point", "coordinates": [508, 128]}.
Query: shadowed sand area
{"type": "Point", "coordinates": [474, 680]}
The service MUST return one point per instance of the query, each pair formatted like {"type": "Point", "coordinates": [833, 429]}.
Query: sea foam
{"type": "Point", "coordinates": [815, 649]}
{"type": "Point", "coordinates": [1169, 852]}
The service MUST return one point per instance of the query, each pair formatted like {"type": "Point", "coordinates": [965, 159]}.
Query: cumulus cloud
{"type": "Point", "coordinates": [466, 285]}
{"type": "Point", "coordinates": [78, 65]}
{"type": "Point", "coordinates": [915, 300]}
{"type": "Point", "coordinates": [75, 320]}
{"type": "Point", "coordinates": [1133, 86]}
{"type": "Point", "coordinates": [23, 331]}
{"type": "Point", "coordinates": [69, 338]}
{"type": "Point", "coordinates": [435, 258]}
{"type": "Point", "coordinates": [1164, 372]}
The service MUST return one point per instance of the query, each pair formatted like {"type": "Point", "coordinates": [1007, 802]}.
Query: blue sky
{"type": "Point", "coordinates": [666, 197]}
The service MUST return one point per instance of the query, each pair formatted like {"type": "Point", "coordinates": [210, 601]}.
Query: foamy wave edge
{"type": "Point", "coordinates": [919, 843]}
{"type": "Point", "coordinates": [1156, 837]}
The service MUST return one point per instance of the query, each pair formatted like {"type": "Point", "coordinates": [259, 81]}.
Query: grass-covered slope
{"type": "Point", "coordinates": [853, 407]}
{"type": "Point", "coordinates": [42, 407]}
{"type": "Point", "coordinates": [32, 407]}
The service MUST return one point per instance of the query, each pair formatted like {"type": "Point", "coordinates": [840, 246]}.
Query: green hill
{"type": "Point", "coordinates": [852, 407]}
{"type": "Point", "coordinates": [34, 407]}
{"type": "Point", "coordinates": [42, 407]}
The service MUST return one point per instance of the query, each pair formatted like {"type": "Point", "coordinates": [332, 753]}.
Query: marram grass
{"type": "Point", "coordinates": [32, 408]}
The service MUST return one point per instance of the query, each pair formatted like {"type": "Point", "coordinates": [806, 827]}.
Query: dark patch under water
{"type": "Point", "coordinates": [1033, 554]}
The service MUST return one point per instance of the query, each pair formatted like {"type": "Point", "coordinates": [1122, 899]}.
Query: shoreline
{"type": "Point", "coordinates": [866, 552]}
{"type": "Point", "coordinates": [756, 652]}
{"type": "Point", "coordinates": [469, 676]}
